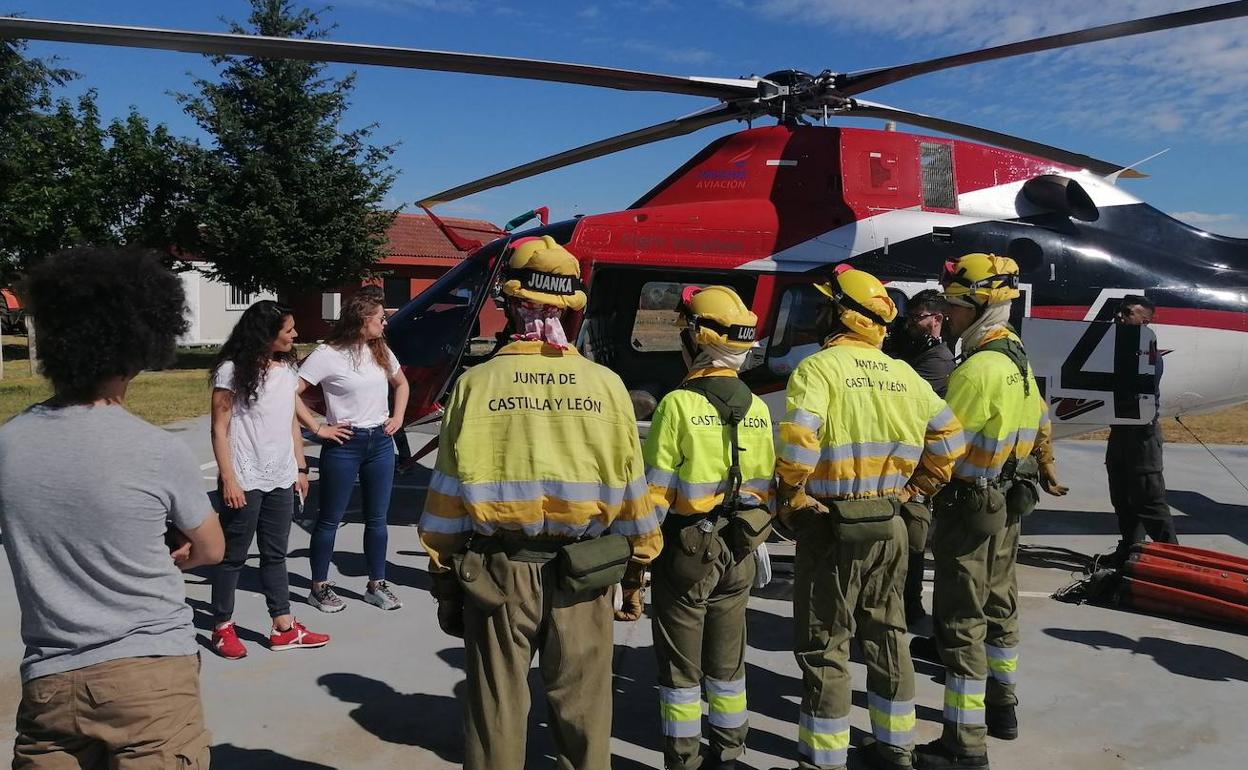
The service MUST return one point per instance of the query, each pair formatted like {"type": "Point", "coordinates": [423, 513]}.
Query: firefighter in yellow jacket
{"type": "Point", "coordinates": [977, 516]}
{"type": "Point", "coordinates": [538, 500]}
{"type": "Point", "coordinates": [858, 425]}
{"type": "Point", "coordinates": [709, 463]}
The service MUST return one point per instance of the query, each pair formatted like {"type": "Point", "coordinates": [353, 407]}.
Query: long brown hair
{"type": "Point", "coordinates": [348, 330]}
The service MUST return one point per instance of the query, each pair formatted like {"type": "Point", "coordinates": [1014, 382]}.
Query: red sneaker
{"type": "Point", "coordinates": [296, 637]}
{"type": "Point", "coordinates": [225, 642]}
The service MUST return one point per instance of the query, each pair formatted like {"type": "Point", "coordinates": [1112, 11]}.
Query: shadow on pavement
{"type": "Point", "coordinates": [431, 722]}
{"type": "Point", "coordinates": [1196, 661]}
{"type": "Point", "coordinates": [352, 564]}
{"type": "Point", "coordinates": [1201, 515]}
{"type": "Point", "coordinates": [235, 758]}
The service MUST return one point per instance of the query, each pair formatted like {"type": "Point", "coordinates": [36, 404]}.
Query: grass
{"type": "Point", "coordinates": [178, 393]}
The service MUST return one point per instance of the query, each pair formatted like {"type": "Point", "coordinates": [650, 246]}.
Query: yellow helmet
{"type": "Point", "coordinates": [863, 302]}
{"type": "Point", "coordinates": [718, 316]}
{"type": "Point", "coordinates": [977, 280]}
{"type": "Point", "coordinates": [542, 271]}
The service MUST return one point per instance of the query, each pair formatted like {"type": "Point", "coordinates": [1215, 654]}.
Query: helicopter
{"type": "Point", "coordinates": [772, 210]}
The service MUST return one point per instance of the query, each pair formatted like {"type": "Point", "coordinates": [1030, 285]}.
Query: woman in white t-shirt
{"type": "Point", "coordinates": [259, 453]}
{"type": "Point", "coordinates": [355, 369]}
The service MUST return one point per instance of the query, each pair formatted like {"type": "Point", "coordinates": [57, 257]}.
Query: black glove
{"type": "Point", "coordinates": [450, 597]}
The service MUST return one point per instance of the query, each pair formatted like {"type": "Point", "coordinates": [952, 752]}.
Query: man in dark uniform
{"type": "Point", "coordinates": [1133, 461]}
{"type": "Point", "coordinates": [918, 342]}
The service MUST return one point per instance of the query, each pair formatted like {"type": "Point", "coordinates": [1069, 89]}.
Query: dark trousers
{"type": "Point", "coordinates": [369, 456]}
{"type": "Point", "coordinates": [266, 516]}
{"type": "Point", "coordinates": [1139, 501]}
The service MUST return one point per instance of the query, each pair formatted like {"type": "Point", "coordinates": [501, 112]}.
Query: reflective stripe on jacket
{"type": "Point", "coordinates": [541, 441]}
{"type": "Point", "coordinates": [987, 395]}
{"type": "Point", "coordinates": [858, 423]}
{"type": "Point", "coordinates": [688, 453]}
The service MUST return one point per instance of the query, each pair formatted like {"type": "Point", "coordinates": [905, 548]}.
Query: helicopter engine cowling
{"type": "Point", "coordinates": [1061, 195]}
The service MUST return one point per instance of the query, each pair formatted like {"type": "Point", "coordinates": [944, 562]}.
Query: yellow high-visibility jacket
{"type": "Point", "coordinates": [541, 441]}
{"type": "Point", "coordinates": [858, 424]}
{"type": "Point", "coordinates": [986, 393]}
{"type": "Point", "coordinates": [688, 453]}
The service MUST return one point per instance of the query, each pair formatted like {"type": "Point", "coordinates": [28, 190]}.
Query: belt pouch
{"type": "Point", "coordinates": [978, 510]}
{"type": "Point", "coordinates": [692, 555]}
{"type": "Point", "coordinates": [590, 565]}
{"type": "Point", "coordinates": [1021, 498]}
{"type": "Point", "coordinates": [479, 585]}
{"type": "Point", "coordinates": [864, 521]}
{"type": "Point", "coordinates": [917, 517]}
{"type": "Point", "coordinates": [747, 530]}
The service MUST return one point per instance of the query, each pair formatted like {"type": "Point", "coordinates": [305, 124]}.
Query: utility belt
{"type": "Point", "coordinates": [694, 544]}
{"type": "Point", "coordinates": [986, 506]}
{"type": "Point", "coordinates": [585, 566]}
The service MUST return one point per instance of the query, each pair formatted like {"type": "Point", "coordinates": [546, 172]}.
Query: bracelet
{"type": "Point", "coordinates": [302, 470]}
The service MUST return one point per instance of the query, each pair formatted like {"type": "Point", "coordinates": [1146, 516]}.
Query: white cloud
{"type": "Point", "coordinates": [1224, 224]}
{"type": "Point", "coordinates": [589, 13]}
{"type": "Point", "coordinates": [1168, 83]}
{"type": "Point", "coordinates": [668, 53]}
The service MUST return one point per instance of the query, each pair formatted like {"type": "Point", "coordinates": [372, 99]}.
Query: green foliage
{"type": "Point", "coordinates": [286, 199]}
{"type": "Point", "coordinates": [66, 180]}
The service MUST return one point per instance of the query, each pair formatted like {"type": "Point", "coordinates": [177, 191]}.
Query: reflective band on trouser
{"type": "Point", "coordinates": [823, 741]}
{"type": "Point", "coordinates": [681, 709]}
{"type": "Point", "coordinates": [892, 721]}
{"type": "Point", "coordinates": [964, 700]}
{"type": "Point", "coordinates": [1002, 663]}
{"type": "Point", "coordinates": [727, 702]}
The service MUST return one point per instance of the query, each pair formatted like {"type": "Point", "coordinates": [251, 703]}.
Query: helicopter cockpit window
{"type": "Point", "coordinates": [655, 329]}
{"type": "Point", "coordinates": [798, 331]}
{"type": "Point", "coordinates": [936, 160]}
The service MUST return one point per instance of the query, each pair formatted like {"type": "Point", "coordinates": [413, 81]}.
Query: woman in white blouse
{"type": "Point", "coordinates": [259, 453]}
{"type": "Point", "coordinates": [355, 369]}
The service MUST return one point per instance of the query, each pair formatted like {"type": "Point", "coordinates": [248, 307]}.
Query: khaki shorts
{"type": "Point", "coordinates": [128, 714]}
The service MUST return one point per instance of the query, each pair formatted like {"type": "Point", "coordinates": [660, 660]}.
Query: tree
{"type": "Point", "coordinates": [286, 199]}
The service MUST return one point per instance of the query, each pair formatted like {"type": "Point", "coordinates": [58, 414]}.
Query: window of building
{"type": "Point", "coordinates": [237, 299]}
{"type": "Point", "coordinates": [397, 292]}
{"type": "Point", "coordinates": [936, 160]}
{"type": "Point", "coordinates": [655, 328]}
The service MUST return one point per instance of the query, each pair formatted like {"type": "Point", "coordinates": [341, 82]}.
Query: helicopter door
{"type": "Point", "coordinates": [430, 334]}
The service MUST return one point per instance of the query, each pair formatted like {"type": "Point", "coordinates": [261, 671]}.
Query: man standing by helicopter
{"type": "Point", "coordinates": [537, 503]}
{"type": "Point", "coordinates": [857, 426]}
{"type": "Point", "coordinates": [1133, 461]}
{"type": "Point", "coordinates": [977, 516]}
{"type": "Point", "coordinates": [709, 463]}
{"type": "Point", "coordinates": [919, 343]}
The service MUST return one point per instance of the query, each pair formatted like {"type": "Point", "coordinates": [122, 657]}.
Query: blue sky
{"type": "Point", "coordinates": [1121, 101]}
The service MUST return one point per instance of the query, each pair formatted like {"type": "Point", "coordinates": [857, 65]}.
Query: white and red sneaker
{"type": "Point", "coordinates": [225, 641]}
{"type": "Point", "coordinates": [296, 637]}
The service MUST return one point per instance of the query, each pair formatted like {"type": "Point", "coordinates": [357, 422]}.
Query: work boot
{"type": "Point", "coordinates": [924, 648]}
{"type": "Point", "coordinates": [876, 759]}
{"type": "Point", "coordinates": [937, 756]}
{"type": "Point", "coordinates": [1002, 722]}
{"type": "Point", "coordinates": [913, 591]}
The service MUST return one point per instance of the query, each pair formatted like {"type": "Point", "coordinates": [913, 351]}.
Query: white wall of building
{"type": "Point", "coordinates": [212, 308]}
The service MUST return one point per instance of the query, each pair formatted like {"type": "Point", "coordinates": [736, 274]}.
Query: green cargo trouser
{"type": "Point", "coordinates": [975, 611]}
{"type": "Point", "coordinates": [572, 635]}
{"type": "Point", "coordinates": [699, 637]}
{"type": "Point", "coordinates": [842, 589]}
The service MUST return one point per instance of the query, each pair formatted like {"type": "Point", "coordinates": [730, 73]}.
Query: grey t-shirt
{"type": "Point", "coordinates": [85, 493]}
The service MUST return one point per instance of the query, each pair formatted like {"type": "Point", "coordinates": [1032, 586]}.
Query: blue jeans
{"type": "Point", "coordinates": [368, 454]}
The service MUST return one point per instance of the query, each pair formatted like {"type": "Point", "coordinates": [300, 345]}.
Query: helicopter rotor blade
{"type": "Point", "coordinates": [666, 130]}
{"type": "Point", "coordinates": [859, 108]}
{"type": "Point", "coordinates": [226, 44]}
{"type": "Point", "coordinates": [866, 80]}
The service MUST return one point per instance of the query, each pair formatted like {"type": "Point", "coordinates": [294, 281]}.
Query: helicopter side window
{"type": "Point", "coordinates": [655, 328]}
{"type": "Point", "coordinates": [798, 329]}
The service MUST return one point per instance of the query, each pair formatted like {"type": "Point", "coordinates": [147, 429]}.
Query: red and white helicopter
{"type": "Point", "coordinates": [771, 210]}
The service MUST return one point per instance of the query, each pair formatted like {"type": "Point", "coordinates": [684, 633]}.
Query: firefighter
{"type": "Point", "coordinates": [977, 516]}
{"type": "Point", "coordinates": [537, 503]}
{"type": "Point", "coordinates": [709, 462]}
{"type": "Point", "coordinates": [920, 343]}
{"type": "Point", "coordinates": [858, 425]}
